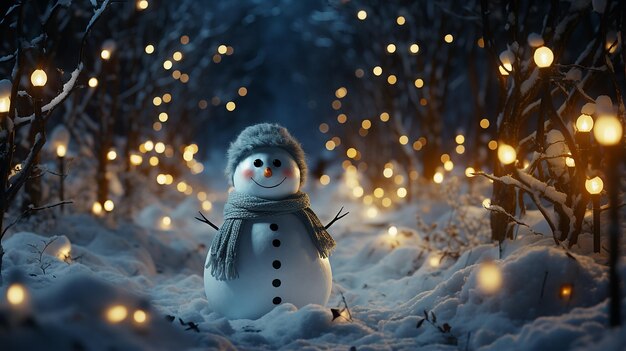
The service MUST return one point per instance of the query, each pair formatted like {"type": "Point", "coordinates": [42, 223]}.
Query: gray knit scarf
{"type": "Point", "coordinates": [239, 207]}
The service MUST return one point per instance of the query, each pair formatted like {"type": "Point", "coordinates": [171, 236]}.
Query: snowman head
{"type": "Point", "coordinates": [269, 173]}
{"type": "Point", "coordinates": [266, 161]}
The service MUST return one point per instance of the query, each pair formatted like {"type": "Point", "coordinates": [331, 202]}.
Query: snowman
{"type": "Point", "coordinates": [272, 248]}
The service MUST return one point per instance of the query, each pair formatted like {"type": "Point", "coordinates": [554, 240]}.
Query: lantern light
{"type": "Point", "coordinates": [38, 78]}
{"type": "Point", "coordinates": [543, 57]}
{"type": "Point", "coordinates": [584, 123]}
{"type": "Point", "coordinates": [61, 150]}
{"type": "Point", "coordinates": [469, 172]}
{"type": "Point", "coordinates": [489, 277]}
{"type": "Point", "coordinates": [5, 95]}
{"type": "Point", "coordinates": [594, 185]}
{"type": "Point", "coordinates": [506, 154]}
{"type": "Point", "coordinates": [608, 130]}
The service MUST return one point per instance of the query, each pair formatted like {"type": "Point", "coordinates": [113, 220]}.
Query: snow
{"type": "Point", "coordinates": [535, 40]}
{"type": "Point", "coordinates": [387, 282]}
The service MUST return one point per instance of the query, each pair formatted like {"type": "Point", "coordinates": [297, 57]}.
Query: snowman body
{"type": "Point", "coordinates": [276, 260]}
{"type": "Point", "coordinates": [277, 263]}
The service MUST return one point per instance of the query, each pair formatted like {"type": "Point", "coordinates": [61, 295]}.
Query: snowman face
{"type": "Point", "coordinates": [269, 173]}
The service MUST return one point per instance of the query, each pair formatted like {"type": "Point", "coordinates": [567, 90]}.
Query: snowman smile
{"type": "Point", "coordinates": [268, 187]}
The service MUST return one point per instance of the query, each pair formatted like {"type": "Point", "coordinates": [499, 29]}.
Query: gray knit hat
{"type": "Point", "coordinates": [264, 135]}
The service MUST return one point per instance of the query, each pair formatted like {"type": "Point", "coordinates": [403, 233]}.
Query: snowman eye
{"type": "Point", "coordinates": [277, 163]}
{"type": "Point", "coordinates": [258, 163]}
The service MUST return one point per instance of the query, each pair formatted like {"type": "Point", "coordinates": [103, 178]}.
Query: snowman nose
{"type": "Point", "coordinates": [267, 173]}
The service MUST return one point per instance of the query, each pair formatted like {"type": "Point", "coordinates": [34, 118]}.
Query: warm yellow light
{"type": "Point", "coordinates": [506, 154]}
{"type": "Point", "coordinates": [207, 205]}
{"type": "Point", "coordinates": [242, 91]}
{"type": "Point", "coordinates": [109, 205]}
{"type": "Point", "coordinates": [388, 172]}
{"type": "Point", "coordinates": [608, 130]}
{"type": "Point", "coordinates": [487, 203]}
{"type": "Point", "coordinates": [484, 123]}
{"type": "Point", "coordinates": [438, 177]}
{"type": "Point", "coordinates": [222, 49]}
{"type": "Point", "coordinates": [166, 222]}
{"type": "Point", "coordinates": [177, 56]}
{"type": "Point", "coordinates": [372, 212]}
{"type": "Point", "coordinates": [336, 105]}
{"type": "Point", "coordinates": [489, 277]}
{"type": "Point", "coordinates": [401, 192]}
{"type": "Point", "coordinates": [181, 186]}
{"type": "Point", "coordinates": [543, 57]}
{"type": "Point", "coordinates": [135, 159]}
{"type": "Point", "coordinates": [444, 158]}
{"type": "Point", "coordinates": [157, 101]}
{"type": "Point", "coordinates": [161, 179]}
{"type": "Point", "coordinates": [434, 261]}
{"type": "Point", "coordinates": [357, 191]}
{"type": "Point", "coordinates": [400, 20]}
{"type": "Point", "coordinates": [105, 54]}
{"type": "Point", "coordinates": [231, 106]}
{"type": "Point", "coordinates": [505, 68]}
{"type": "Point", "coordinates": [419, 82]}
{"type": "Point", "coordinates": [362, 15]}
{"type": "Point", "coordinates": [584, 123]}
{"type": "Point", "coordinates": [566, 291]}
{"type": "Point", "coordinates": [324, 179]}
{"type": "Point", "coordinates": [492, 145]}
{"type": "Point", "coordinates": [111, 155]}
{"type": "Point", "coordinates": [149, 145]}
{"type": "Point", "coordinates": [167, 64]}
{"type": "Point", "coordinates": [448, 165]}
{"type": "Point", "coordinates": [149, 49]}
{"type": "Point", "coordinates": [61, 150]}
{"type": "Point", "coordinates": [163, 117]}
{"type": "Point", "coordinates": [93, 82]}
{"type": "Point", "coordinates": [448, 38]}
{"type": "Point", "coordinates": [384, 116]}
{"type": "Point", "coordinates": [167, 97]}
{"type": "Point", "coordinates": [159, 147]}
{"type": "Point", "coordinates": [403, 139]}
{"type": "Point", "coordinates": [460, 149]}
{"type": "Point", "coordinates": [157, 126]}
{"type": "Point", "coordinates": [96, 208]}
{"type": "Point", "coordinates": [116, 313]}
{"type": "Point", "coordinates": [16, 294]}
{"type": "Point", "coordinates": [142, 5]}
{"type": "Point", "coordinates": [594, 185]}
{"type": "Point", "coordinates": [140, 316]}
{"type": "Point", "coordinates": [569, 162]}
{"type": "Point", "coordinates": [391, 48]}
{"type": "Point", "coordinates": [414, 48]}
{"type": "Point", "coordinates": [366, 124]}
{"type": "Point", "coordinates": [38, 78]}
{"type": "Point", "coordinates": [379, 193]}
{"type": "Point", "coordinates": [330, 145]}
{"type": "Point", "coordinates": [5, 103]}
{"type": "Point", "coordinates": [351, 152]}
{"type": "Point", "coordinates": [377, 71]}
{"type": "Point", "coordinates": [392, 79]}
{"type": "Point", "coordinates": [460, 139]}
{"type": "Point", "coordinates": [392, 231]}
{"type": "Point", "coordinates": [469, 172]}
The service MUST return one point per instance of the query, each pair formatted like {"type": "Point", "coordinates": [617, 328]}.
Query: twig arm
{"type": "Point", "coordinates": [338, 216]}
{"type": "Point", "coordinates": [207, 221]}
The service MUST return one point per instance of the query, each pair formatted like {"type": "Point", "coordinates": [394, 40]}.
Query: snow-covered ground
{"type": "Point", "coordinates": [384, 284]}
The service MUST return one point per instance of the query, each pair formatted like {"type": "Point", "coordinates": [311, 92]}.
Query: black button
{"type": "Point", "coordinates": [276, 283]}
{"type": "Point", "coordinates": [276, 242]}
{"type": "Point", "coordinates": [276, 264]}
{"type": "Point", "coordinates": [274, 227]}
{"type": "Point", "coordinates": [277, 300]}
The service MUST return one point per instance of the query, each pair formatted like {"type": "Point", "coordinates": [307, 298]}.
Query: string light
{"type": "Point", "coordinates": [484, 123]}
{"type": "Point", "coordinates": [392, 231]}
{"type": "Point", "coordinates": [419, 82]}
{"type": "Point", "coordinates": [362, 15]}
{"type": "Point", "coordinates": [438, 177]}
{"type": "Point", "coordinates": [401, 192]}
{"type": "Point", "coordinates": [5, 96]}
{"type": "Point", "coordinates": [111, 155]}
{"type": "Point", "coordinates": [489, 277]}
{"type": "Point", "coordinates": [16, 294]}
{"type": "Point", "coordinates": [414, 48]}
{"type": "Point", "coordinates": [584, 123]}
{"type": "Point", "coordinates": [469, 172]}
{"type": "Point", "coordinates": [149, 49]}
{"type": "Point", "coordinates": [116, 313]}
{"type": "Point", "coordinates": [543, 57]}
{"type": "Point", "coordinates": [565, 292]}
{"type": "Point", "coordinates": [391, 48]}
{"type": "Point", "coordinates": [608, 130]}
{"type": "Point", "coordinates": [594, 185]}
{"type": "Point", "coordinates": [166, 222]}
{"type": "Point", "coordinates": [142, 5]}
{"type": "Point", "coordinates": [93, 82]}
{"type": "Point", "coordinates": [61, 150]}
{"type": "Point", "coordinates": [105, 54]}
{"type": "Point", "coordinates": [231, 106]}
{"type": "Point", "coordinates": [324, 179]}
{"type": "Point", "coordinates": [506, 154]}
{"type": "Point", "coordinates": [96, 208]}
{"type": "Point", "coordinates": [377, 71]}
{"type": "Point", "coordinates": [108, 205]}
{"type": "Point", "coordinates": [448, 38]}
{"type": "Point", "coordinates": [400, 20]}
{"type": "Point", "coordinates": [140, 316]}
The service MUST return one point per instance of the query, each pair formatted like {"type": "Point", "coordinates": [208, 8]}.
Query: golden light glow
{"type": "Point", "coordinates": [166, 222]}
{"type": "Point", "coordinates": [492, 145]}
{"type": "Point", "coordinates": [388, 172]}
{"type": "Point", "coordinates": [366, 124]}
{"type": "Point", "coordinates": [159, 147]}
{"type": "Point", "coordinates": [362, 15]}
{"type": "Point", "coordinates": [231, 106]}
{"type": "Point", "coordinates": [391, 48]}
{"type": "Point", "coordinates": [460, 139]}
{"type": "Point", "coordinates": [222, 49]}
{"type": "Point", "coordinates": [38, 78]}
{"type": "Point", "coordinates": [460, 149]}
{"type": "Point", "coordinates": [207, 205]}
{"type": "Point", "coordinates": [177, 56]}
{"type": "Point", "coordinates": [403, 139]}
{"type": "Point", "coordinates": [379, 193]}
{"type": "Point", "coordinates": [153, 161]}
{"type": "Point", "coordinates": [167, 97]}
{"type": "Point", "coordinates": [392, 79]}
{"type": "Point", "coordinates": [96, 208]}
{"type": "Point", "coordinates": [157, 101]}
{"type": "Point", "coordinates": [108, 205]}
{"type": "Point", "coordinates": [444, 158]}
{"type": "Point", "coordinates": [116, 313]}
{"type": "Point", "coordinates": [487, 203]}
{"type": "Point", "coordinates": [161, 179]}
{"type": "Point", "coordinates": [61, 150]}
{"type": "Point", "coordinates": [16, 294]}
{"type": "Point", "coordinates": [584, 123]}
{"type": "Point", "coordinates": [594, 185]}
{"type": "Point", "coordinates": [384, 116]}
{"type": "Point", "coordinates": [149, 49]}
{"type": "Point", "coordinates": [438, 177]}
{"type": "Point", "coordinates": [505, 68]}
{"type": "Point", "coordinates": [469, 172]}
{"type": "Point", "coordinates": [140, 316]}
{"type": "Point", "coordinates": [372, 212]}
{"type": "Point", "coordinates": [570, 162]}
{"type": "Point", "coordinates": [111, 155]}
{"type": "Point", "coordinates": [608, 130]}
{"type": "Point", "coordinates": [93, 82]}
{"type": "Point", "coordinates": [351, 152]}
{"type": "Point", "coordinates": [136, 159]}
{"type": "Point", "coordinates": [324, 179]}
{"type": "Point", "coordinates": [5, 103]}
{"type": "Point", "coordinates": [484, 123]}
{"type": "Point", "coordinates": [448, 38]}
{"type": "Point", "coordinates": [400, 20]}
{"type": "Point", "coordinates": [167, 64]}
{"type": "Point", "coordinates": [448, 165]}
{"type": "Point", "coordinates": [434, 261]}
{"type": "Point", "coordinates": [357, 191]}
{"type": "Point", "coordinates": [386, 202]}
{"type": "Point", "coordinates": [377, 71]}
{"type": "Point", "coordinates": [401, 192]}
{"type": "Point", "coordinates": [489, 277]}
{"type": "Point", "coordinates": [330, 145]}
{"type": "Point", "coordinates": [142, 4]}
{"type": "Point", "coordinates": [566, 291]}
{"type": "Point", "coordinates": [506, 154]}
{"type": "Point", "coordinates": [181, 186]}
{"type": "Point", "coordinates": [543, 57]}
{"type": "Point", "coordinates": [163, 117]}
{"type": "Point", "coordinates": [414, 48]}
{"type": "Point", "coordinates": [149, 145]}
{"type": "Point", "coordinates": [342, 118]}
{"type": "Point", "coordinates": [105, 54]}
{"type": "Point", "coordinates": [242, 91]}
{"type": "Point", "coordinates": [419, 82]}
{"type": "Point", "coordinates": [392, 231]}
